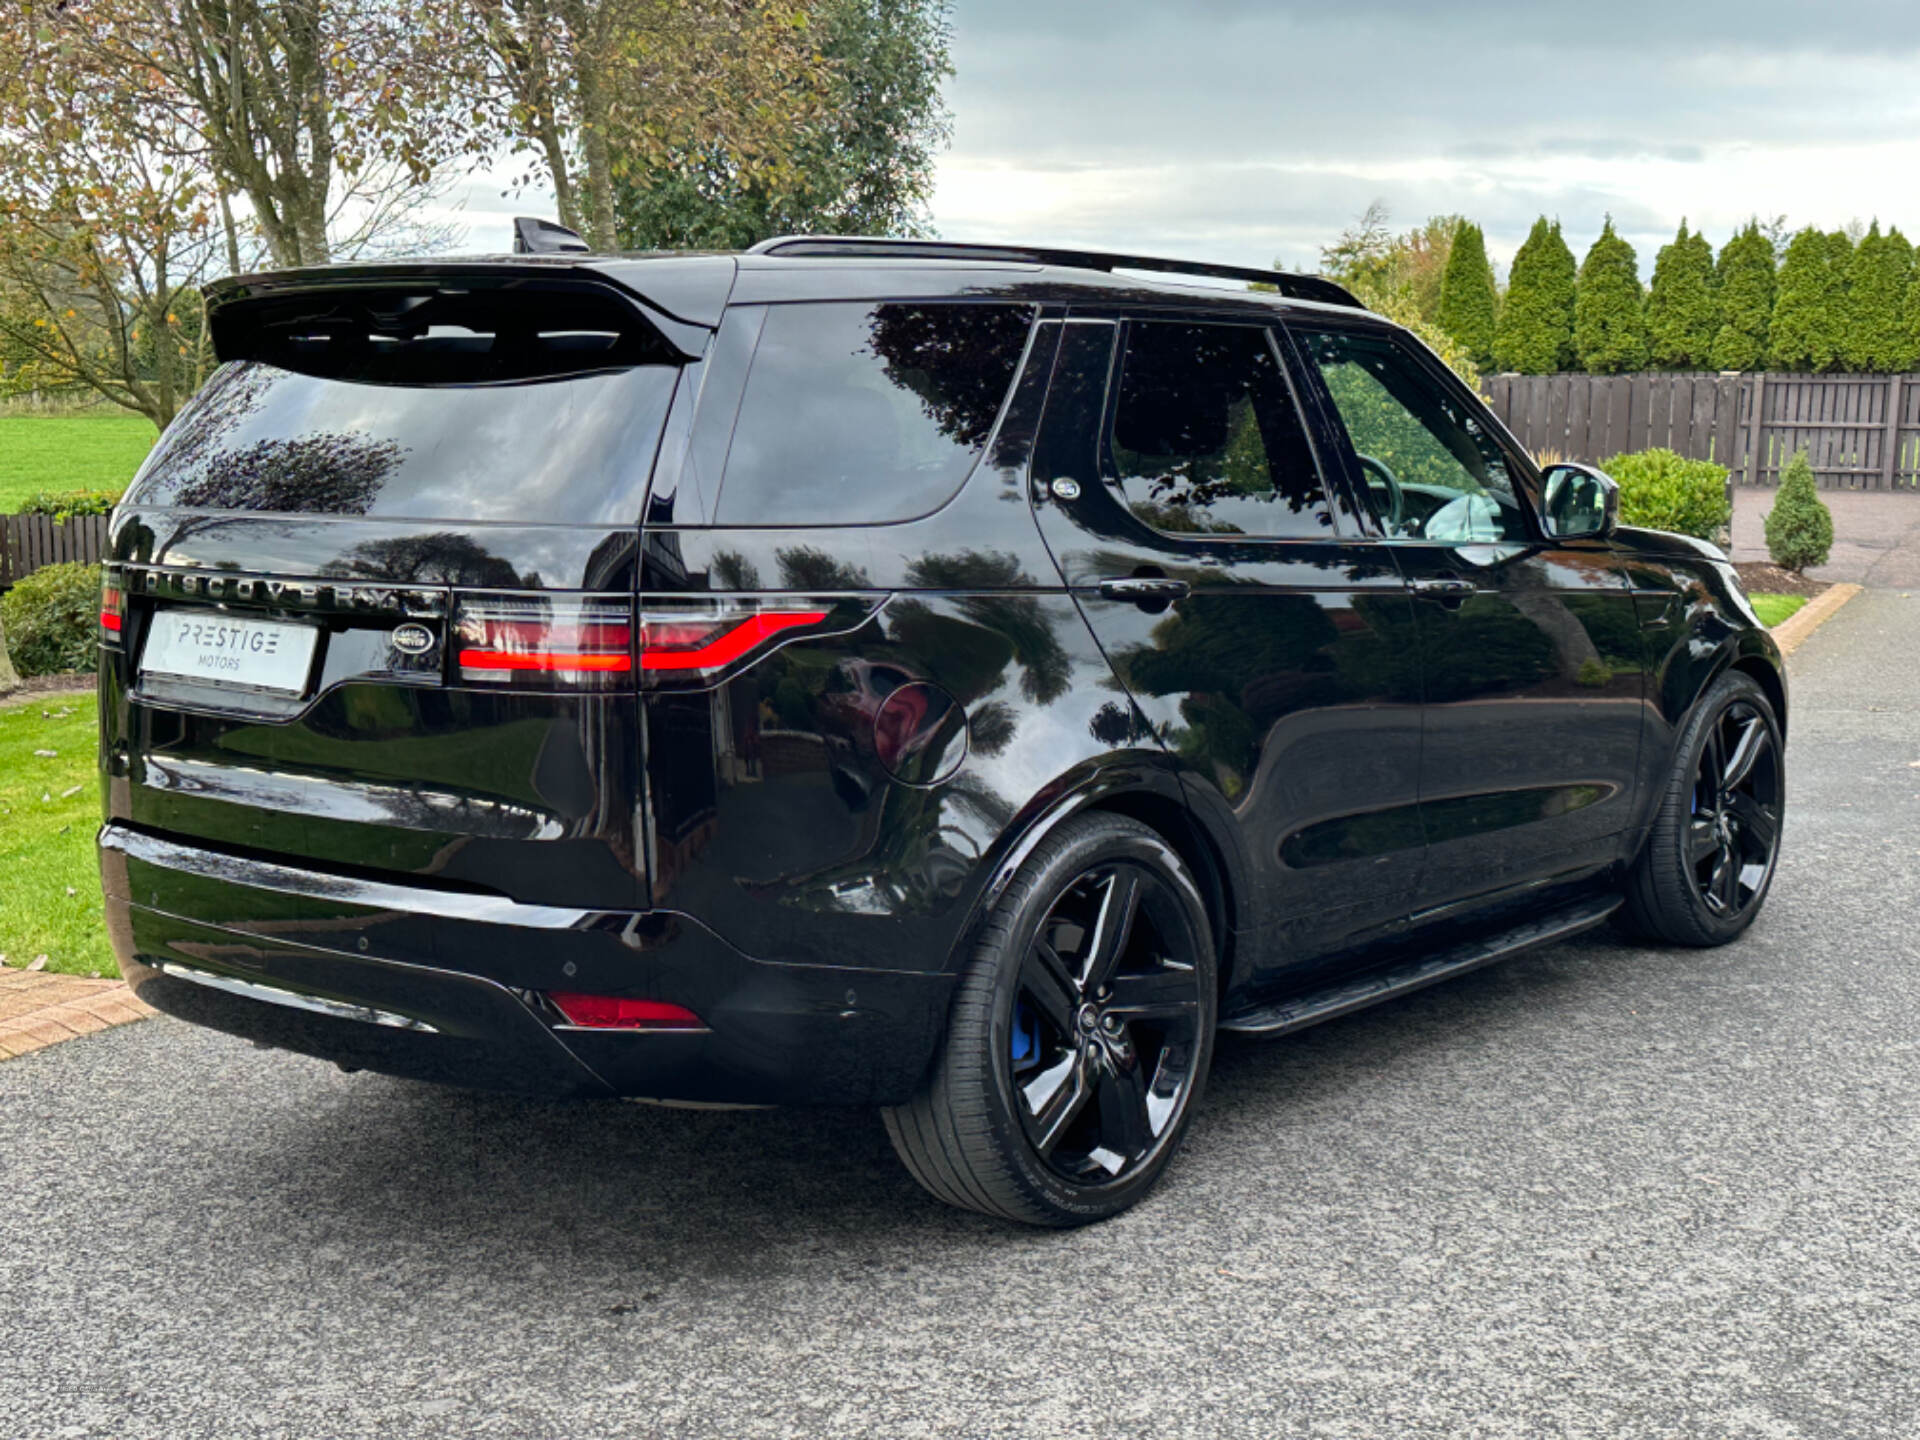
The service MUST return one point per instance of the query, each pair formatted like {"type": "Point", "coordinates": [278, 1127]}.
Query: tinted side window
{"type": "Point", "coordinates": [1206, 438]}
{"type": "Point", "coordinates": [1432, 468]}
{"type": "Point", "coordinates": [859, 413]}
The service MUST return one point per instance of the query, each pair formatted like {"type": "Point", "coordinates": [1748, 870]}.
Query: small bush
{"type": "Point", "coordinates": [1660, 490]}
{"type": "Point", "coordinates": [66, 505]}
{"type": "Point", "coordinates": [1799, 527]}
{"type": "Point", "coordinates": [51, 619]}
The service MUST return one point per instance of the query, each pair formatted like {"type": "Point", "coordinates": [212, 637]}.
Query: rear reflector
{"type": "Point", "coordinates": [612, 1012]}
{"type": "Point", "coordinates": [112, 605]}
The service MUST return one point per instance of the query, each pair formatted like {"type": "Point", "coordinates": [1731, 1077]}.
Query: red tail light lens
{"type": "Point", "coordinates": [113, 603]}
{"type": "Point", "coordinates": [679, 641]}
{"type": "Point", "coordinates": [690, 641]}
{"type": "Point", "coordinates": [611, 1012]}
{"type": "Point", "coordinates": [575, 642]}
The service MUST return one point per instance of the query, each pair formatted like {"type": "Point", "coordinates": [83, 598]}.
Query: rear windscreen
{"type": "Point", "coordinates": [572, 450]}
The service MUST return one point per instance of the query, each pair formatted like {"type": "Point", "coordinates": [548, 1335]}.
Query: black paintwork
{"type": "Point", "coordinates": [1344, 756]}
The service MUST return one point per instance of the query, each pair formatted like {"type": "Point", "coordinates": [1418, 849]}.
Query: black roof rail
{"type": "Point", "coordinates": [1296, 287]}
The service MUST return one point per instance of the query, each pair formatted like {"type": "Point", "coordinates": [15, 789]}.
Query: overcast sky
{"type": "Point", "coordinates": [1248, 132]}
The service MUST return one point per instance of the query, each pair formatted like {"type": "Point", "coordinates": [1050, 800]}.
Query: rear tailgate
{"type": "Point", "coordinates": [377, 585]}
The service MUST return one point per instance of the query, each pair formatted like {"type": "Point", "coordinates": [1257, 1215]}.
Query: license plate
{"type": "Point", "coordinates": [228, 650]}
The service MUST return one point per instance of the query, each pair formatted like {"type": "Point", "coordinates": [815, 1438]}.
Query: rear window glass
{"type": "Point", "coordinates": [862, 413]}
{"type": "Point", "coordinates": [564, 451]}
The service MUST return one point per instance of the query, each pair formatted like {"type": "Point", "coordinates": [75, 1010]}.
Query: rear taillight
{"type": "Point", "coordinates": [612, 1012]}
{"type": "Point", "coordinates": [113, 602]}
{"type": "Point", "coordinates": [542, 641]}
{"type": "Point", "coordinates": [693, 641]}
{"type": "Point", "coordinates": [594, 642]}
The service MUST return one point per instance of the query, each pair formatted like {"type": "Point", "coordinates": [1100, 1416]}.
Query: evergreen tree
{"type": "Point", "coordinates": [1467, 296]}
{"type": "Point", "coordinates": [1910, 324]}
{"type": "Point", "coordinates": [1534, 335]}
{"type": "Point", "coordinates": [1746, 301]}
{"type": "Point", "coordinates": [1799, 527]}
{"type": "Point", "coordinates": [1609, 319]}
{"type": "Point", "coordinates": [1683, 310]}
{"type": "Point", "coordinates": [1877, 282]}
{"type": "Point", "coordinates": [1808, 311]}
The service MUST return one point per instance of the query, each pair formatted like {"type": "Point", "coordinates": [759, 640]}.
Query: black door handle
{"type": "Point", "coordinates": [1448, 589]}
{"type": "Point", "coordinates": [1145, 587]}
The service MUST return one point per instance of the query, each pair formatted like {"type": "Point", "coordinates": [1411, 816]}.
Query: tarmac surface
{"type": "Point", "coordinates": [1594, 1191]}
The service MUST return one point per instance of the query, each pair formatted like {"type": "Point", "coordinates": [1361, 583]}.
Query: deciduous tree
{"type": "Point", "coordinates": [865, 169]}
{"type": "Point", "coordinates": [105, 230]}
{"type": "Point", "coordinates": [594, 91]}
{"type": "Point", "coordinates": [1534, 334]}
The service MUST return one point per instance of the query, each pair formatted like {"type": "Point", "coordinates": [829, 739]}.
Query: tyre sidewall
{"type": "Point", "coordinates": [1059, 866]}
{"type": "Point", "coordinates": [1729, 688]}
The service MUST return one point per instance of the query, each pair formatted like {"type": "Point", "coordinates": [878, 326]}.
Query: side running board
{"type": "Point", "coordinates": [1297, 1012]}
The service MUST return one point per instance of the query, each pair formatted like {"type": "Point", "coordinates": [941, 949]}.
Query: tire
{"type": "Point", "coordinates": [1680, 889]}
{"type": "Point", "coordinates": [1047, 1076]}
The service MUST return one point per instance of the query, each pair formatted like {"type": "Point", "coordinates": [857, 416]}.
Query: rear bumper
{"type": "Point", "coordinates": [437, 985]}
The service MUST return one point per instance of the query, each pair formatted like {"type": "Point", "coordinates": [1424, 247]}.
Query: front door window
{"type": "Point", "coordinates": [1431, 468]}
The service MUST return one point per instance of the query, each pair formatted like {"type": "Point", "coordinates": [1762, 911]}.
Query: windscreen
{"type": "Point", "coordinates": [565, 450]}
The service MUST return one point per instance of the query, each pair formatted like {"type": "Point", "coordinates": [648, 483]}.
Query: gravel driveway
{"type": "Point", "coordinates": [1596, 1191]}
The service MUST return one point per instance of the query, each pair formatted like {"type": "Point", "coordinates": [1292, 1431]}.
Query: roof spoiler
{"type": "Point", "coordinates": [543, 319]}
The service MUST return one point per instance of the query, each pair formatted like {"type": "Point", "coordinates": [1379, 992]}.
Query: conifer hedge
{"type": "Point", "coordinates": [1534, 334]}
{"type": "Point", "coordinates": [1609, 321]}
{"type": "Point", "coordinates": [1683, 308]}
{"type": "Point", "coordinates": [1746, 283]}
{"type": "Point", "coordinates": [1467, 295]}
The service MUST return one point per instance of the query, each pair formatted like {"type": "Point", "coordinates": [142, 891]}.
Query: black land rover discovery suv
{"type": "Point", "coordinates": [950, 679]}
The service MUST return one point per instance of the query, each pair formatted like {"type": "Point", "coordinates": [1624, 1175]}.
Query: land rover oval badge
{"type": "Point", "coordinates": [411, 639]}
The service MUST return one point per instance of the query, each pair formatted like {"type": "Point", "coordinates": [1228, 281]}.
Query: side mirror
{"type": "Point", "coordinates": [1582, 503]}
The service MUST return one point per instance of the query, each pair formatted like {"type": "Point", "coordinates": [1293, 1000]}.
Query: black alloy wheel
{"type": "Point", "coordinates": [1106, 1020]}
{"type": "Point", "coordinates": [1713, 847]}
{"type": "Point", "coordinates": [1734, 832]}
{"type": "Point", "coordinates": [1079, 1036]}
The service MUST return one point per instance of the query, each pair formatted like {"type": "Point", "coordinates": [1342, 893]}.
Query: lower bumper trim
{"type": "Point", "coordinates": [274, 995]}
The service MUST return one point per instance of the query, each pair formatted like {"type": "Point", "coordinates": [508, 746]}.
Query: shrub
{"type": "Point", "coordinates": [67, 504]}
{"type": "Point", "coordinates": [51, 617]}
{"type": "Point", "coordinates": [1799, 527]}
{"type": "Point", "coordinates": [1534, 334]}
{"type": "Point", "coordinates": [1660, 490]}
{"type": "Point", "coordinates": [1609, 317]}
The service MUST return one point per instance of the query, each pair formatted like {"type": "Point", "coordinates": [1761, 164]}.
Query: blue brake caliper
{"type": "Point", "coordinates": [1026, 1035]}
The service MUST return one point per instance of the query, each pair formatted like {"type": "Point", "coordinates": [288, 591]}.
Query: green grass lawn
{"type": "Point", "coordinates": [1772, 609]}
{"type": "Point", "coordinates": [61, 452]}
{"type": "Point", "coordinates": [49, 811]}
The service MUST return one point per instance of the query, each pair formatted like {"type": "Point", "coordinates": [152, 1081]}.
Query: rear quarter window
{"type": "Point", "coordinates": [857, 413]}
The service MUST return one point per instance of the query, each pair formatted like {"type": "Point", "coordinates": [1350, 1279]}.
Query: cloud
{"type": "Point", "coordinates": [1242, 130]}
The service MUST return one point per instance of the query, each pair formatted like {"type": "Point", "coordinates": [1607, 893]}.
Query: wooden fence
{"type": "Point", "coordinates": [28, 542]}
{"type": "Point", "coordinates": [1862, 432]}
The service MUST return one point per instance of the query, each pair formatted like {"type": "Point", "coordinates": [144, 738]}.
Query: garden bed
{"type": "Point", "coordinates": [1763, 577]}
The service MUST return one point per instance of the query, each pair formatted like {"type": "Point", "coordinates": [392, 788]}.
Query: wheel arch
{"type": "Point", "coordinates": [1141, 787]}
